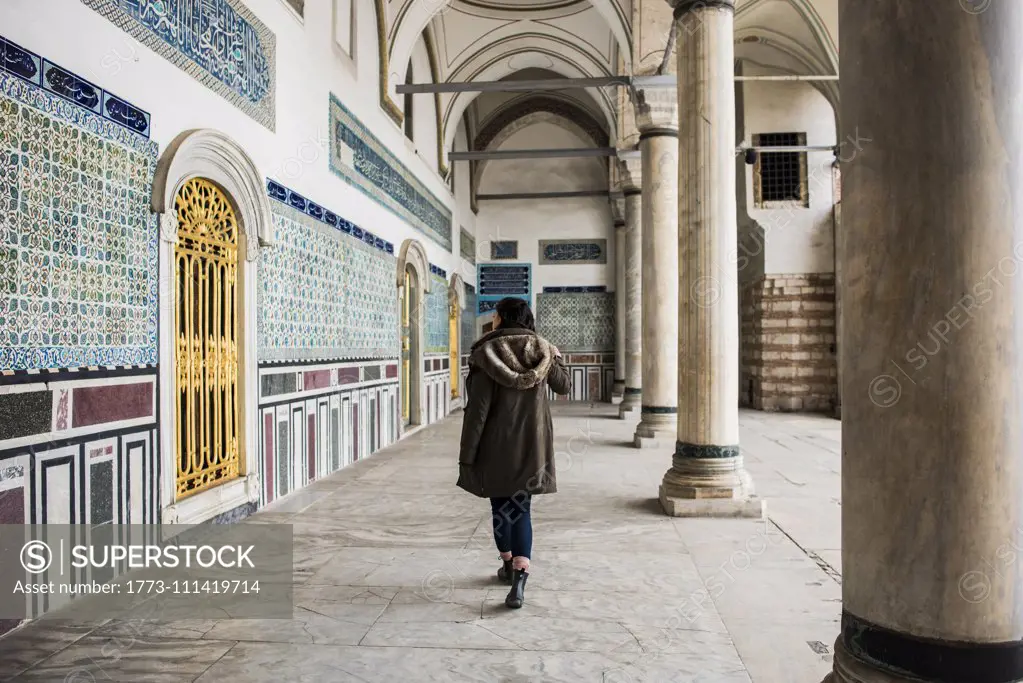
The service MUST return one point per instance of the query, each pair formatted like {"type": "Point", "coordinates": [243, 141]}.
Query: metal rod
{"type": "Point", "coordinates": [790, 77]}
{"type": "Point", "coordinates": [650, 82]}
{"type": "Point", "coordinates": [543, 195]}
{"type": "Point", "coordinates": [492, 155]}
{"type": "Point", "coordinates": [790, 148]}
{"type": "Point", "coordinates": [512, 86]}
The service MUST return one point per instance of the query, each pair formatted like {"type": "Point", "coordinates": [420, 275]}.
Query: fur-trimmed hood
{"type": "Point", "coordinates": [514, 358]}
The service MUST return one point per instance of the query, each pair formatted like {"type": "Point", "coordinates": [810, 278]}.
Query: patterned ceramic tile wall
{"type": "Point", "coordinates": [357, 156]}
{"type": "Point", "coordinates": [438, 330]}
{"type": "Point", "coordinates": [324, 294]}
{"type": "Point", "coordinates": [577, 322]}
{"type": "Point", "coordinates": [219, 42]}
{"type": "Point", "coordinates": [78, 244]}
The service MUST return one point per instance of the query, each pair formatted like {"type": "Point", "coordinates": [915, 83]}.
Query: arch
{"type": "Point", "coordinates": [496, 66]}
{"type": "Point", "coordinates": [416, 15]}
{"type": "Point", "coordinates": [208, 153]}
{"type": "Point", "coordinates": [456, 291]}
{"type": "Point", "coordinates": [523, 112]}
{"type": "Point", "coordinates": [213, 156]}
{"type": "Point", "coordinates": [388, 104]}
{"type": "Point", "coordinates": [412, 253]}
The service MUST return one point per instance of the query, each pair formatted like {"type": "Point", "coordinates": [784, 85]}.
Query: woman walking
{"type": "Point", "coordinates": [507, 450]}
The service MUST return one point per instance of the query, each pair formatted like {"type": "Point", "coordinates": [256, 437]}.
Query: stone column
{"type": "Point", "coordinates": [618, 209]}
{"type": "Point", "coordinates": [707, 477]}
{"type": "Point", "coordinates": [631, 184]}
{"type": "Point", "coordinates": [657, 119]}
{"type": "Point", "coordinates": [932, 359]}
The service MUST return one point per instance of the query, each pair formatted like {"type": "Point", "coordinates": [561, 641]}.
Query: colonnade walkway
{"type": "Point", "coordinates": [394, 571]}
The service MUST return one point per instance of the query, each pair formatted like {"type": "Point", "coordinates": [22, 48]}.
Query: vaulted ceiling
{"type": "Point", "coordinates": [490, 40]}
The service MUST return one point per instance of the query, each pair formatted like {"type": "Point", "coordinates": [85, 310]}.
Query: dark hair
{"type": "Point", "coordinates": [515, 314]}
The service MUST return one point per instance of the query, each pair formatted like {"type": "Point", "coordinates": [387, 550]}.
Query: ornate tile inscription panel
{"type": "Point", "coordinates": [577, 322]}
{"type": "Point", "coordinates": [78, 244]}
{"type": "Point", "coordinates": [218, 42]}
{"type": "Point", "coordinates": [577, 252]}
{"type": "Point", "coordinates": [467, 246]}
{"type": "Point", "coordinates": [357, 156]}
{"type": "Point", "coordinates": [324, 294]}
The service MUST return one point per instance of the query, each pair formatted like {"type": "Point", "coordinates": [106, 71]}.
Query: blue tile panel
{"type": "Point", "coordinates": [504, 280]}
{"type": "Point", "coordinates": [357, 156]}
{"type": "Point", "coordinates": [218, 42]}
{"type": "Point", "coordinates": [504, 250]}
{"type": "Point", "coordinates": [327, 288]}
{"type": "Point", "coordinates": [27, 65]}
{"type": "Point", "coordinates": [78, 243]}
{"type": "Point", "coordinates": [575, 289]}
{"type": "Point", "coordinates": [577, 322]}
{"type": "Point", "coordinates": [467, 246]}
{"type": "Point", "coordinates": [469, 319]}
{"type": "Point", "coordinates": [438, 331]}
{"type": "Point", "coordinates": [573, 251]}
{"type": "Point", "coordinates": [293, 199]}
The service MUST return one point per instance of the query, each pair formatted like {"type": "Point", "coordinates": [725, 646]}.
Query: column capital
{"type": "Point", "coordinates": [683, 7]}
{"type": "Point", "coordinates": [656, 111]}
{"type": "Point", "coordinates": [631, 172]}
{"type": "Point", "coordinates": [618, 209]}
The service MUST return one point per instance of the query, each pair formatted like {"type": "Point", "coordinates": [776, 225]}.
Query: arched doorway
{"type": "Point", "coordinates": [411, 304]}
{"type": "Point", "coordinates": [206, 324]}
{"type": "Point", "coordinates": [456, 303]}
{"type": "Point", "coordinates": [413, 285]}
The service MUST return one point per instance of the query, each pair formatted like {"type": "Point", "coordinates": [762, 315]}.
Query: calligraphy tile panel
{"type": "Point", "coordinates": [468, 246]}
{"type": "Point", "coordinates": [358, 157]}
{"type": "Point", "coordinates": [78, 244]}
{"type": "Point", "coordinates": [577, 322]}
{"type": "Point", "coordinates": [218, 42]}
{"type": "Point", "coordinates": [323, 294]}
{"type": "Point", "coordinates": [575, 252]}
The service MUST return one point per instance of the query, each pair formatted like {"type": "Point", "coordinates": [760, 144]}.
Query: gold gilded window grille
{"type": "Point", "coordinates": [406, 348]}
{"type": "Point", "coordinates": [453, 333]}
{"type": "Point", "coordinates": [206, 316]}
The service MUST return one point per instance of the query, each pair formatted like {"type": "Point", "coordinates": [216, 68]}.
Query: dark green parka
{"type": "Point", "coordinates": [507, 432]}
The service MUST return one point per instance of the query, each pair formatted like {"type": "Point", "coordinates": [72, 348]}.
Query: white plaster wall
{"type": "Point", "coordinates": [530, 220]}
{"type": "Point", "coordinates": [309, 67]}
{"type": "Point", "coordinates": [797, 240]}
{"type": "Point", "coordinates": [424, 121]}
{"type": "Point", "coordinates": [464, 215]}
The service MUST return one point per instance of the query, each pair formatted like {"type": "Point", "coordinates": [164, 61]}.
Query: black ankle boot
{"type": "Point", "coordinates": [504, 574]}
{"type": "Point", "coordinates": [518, 590]}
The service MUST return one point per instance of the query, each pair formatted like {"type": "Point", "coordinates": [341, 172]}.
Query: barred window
{"type": "Point", "coordinates": [780, 177]}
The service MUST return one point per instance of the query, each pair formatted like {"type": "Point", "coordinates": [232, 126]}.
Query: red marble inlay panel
{"type": "Point", "coordinates": [317, 379]}
{"type": "Point", "coordinates": [62, 409]}
{"type": "Point", "coordinates": [311, 441]}
{"type": "Point", "coordinates": [347, 375]}
{"type": "Point", "coordinates": [12, 506]}
{"type": "Point", "coordinates": [96, 405]}
{"type": "Point", "coordinates": [594, 385]}
{"type": "Point", "coordinates": [268, 455]}
{"type": "Point", "coordinates": [392, 371]}
{"type": "Point", "coordinates": [355, 432]}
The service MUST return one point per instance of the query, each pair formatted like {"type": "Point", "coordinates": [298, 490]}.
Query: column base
{"type": "Point", "coordinates": [631, 404]}
{"type": "Point", "coordinates": [616, 399]}
{"type": "Point", "coordinates": [654, 431]}
{"type": "Point", "coordinates": [746, 508]}
{"type": "Point", "coordinates": [848, 669]}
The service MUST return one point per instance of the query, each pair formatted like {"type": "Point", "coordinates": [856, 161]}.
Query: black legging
{"type": "Point", "coordinates": [513, 529]}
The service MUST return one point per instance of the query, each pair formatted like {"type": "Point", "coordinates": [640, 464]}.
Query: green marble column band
{"type": "Point", "coordinates": [703, 451]}
{"type": "Point", "coordinates": [633, 391]}
{"type": "Point", "coordinates": [659, 410]}
{"type": "Point", "coordinates": [658, 133]}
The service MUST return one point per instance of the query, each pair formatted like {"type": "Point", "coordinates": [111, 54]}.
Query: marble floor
{"type": "Point", "coordinates": [394, 573]}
